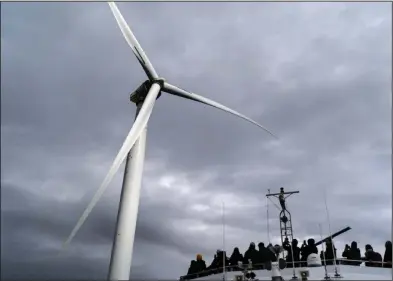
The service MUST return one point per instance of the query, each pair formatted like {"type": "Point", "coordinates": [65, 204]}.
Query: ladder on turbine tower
{"type": "Point", "coordinates": [285, 215]}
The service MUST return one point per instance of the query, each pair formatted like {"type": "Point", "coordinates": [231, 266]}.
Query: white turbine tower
{"type": "Point", "coordinates": [144, 97]}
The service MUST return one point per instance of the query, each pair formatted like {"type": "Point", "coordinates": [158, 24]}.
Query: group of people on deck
{"type": "Point", "coordinates": [296, 256]}
{"type": "Point", "coordinates": [351, 253]}
{"type": "Point", "coordinates": [259, 257]}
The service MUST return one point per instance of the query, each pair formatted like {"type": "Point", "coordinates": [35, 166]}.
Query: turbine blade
{"type": "Point", "coordinates": [171, 89]}
{"type": "Point", "coordinates": [138, 126]}
{"type": "Point", "coordinates": [134, 44]}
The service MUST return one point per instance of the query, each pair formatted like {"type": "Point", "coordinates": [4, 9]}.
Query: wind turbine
{"type": "Point", "coordinates": [144, 97]}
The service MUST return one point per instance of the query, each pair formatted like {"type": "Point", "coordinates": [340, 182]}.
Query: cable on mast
{"type": "Point", "coordinates": [337, 271]}
{"type": "Point", "coordinates": [223, 241]}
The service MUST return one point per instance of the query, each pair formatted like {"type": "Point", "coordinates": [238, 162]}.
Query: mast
{"type": "Point", "coordinates": [285, 216]}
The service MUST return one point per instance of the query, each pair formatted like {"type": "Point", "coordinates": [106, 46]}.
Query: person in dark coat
{"type": "Point", "coordinates": [307, 249]}
{"type": "Point", "coordinates": [373, 259]}
{"type": "Point", "coordinates": [261, 256]}
{"type": "Point", "coordinates": [352, 254]}
{"type": "Point", "coordinates": [296, 252]}
{"type": "Point", "coordinates": [387, 257]}
{"type": "Point", "coordinates": [330, 252]}
{"type": "Point", "coordinates": [251, 254]}
{"type": "Point", "coordinates": [235, 258]}
{"type": "Point", "coordinates": [200, 264]}
{"type": "Point", "coordinates": [192, 268]}
{"type": "Point", "coordinates": [215, 263]}
{"type": "Point", "coordinates": [304, 253]}
{"type": "Point", "coordinates": [311, 246]}
{"type": "Point", "coordinates": [271, 255]}
{"type": "Point", "coordinates": [218, 262]}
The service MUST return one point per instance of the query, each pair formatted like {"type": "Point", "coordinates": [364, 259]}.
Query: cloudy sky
{"type": "Point", "coordinates": [317, 74]}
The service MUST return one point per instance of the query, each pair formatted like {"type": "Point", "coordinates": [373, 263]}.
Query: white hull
{"type": "Point", "coordinates": [347, 272]}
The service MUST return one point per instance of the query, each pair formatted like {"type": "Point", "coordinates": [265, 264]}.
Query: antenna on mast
{"type": "Point", "coordinates": [223, 242]}
{"type": "Point", "coordinates": [323, 253]}
{"type": "Point", "coordinates": [336, 271]}
{"type": "Point", "coordinates": [294, 277]}
{"type": "Point", "coordinates": [267, 217]}
{"type": "Point", "coordinates": [285, 215]}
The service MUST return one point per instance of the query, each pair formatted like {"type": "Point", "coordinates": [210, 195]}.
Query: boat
{"type": "Point", "coordinates": [315, 268]}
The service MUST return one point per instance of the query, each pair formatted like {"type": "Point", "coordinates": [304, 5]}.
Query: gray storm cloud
{"type": "Point", "coordinates": [317, 74]}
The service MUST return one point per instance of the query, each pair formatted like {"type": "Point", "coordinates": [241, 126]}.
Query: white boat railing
{"type": "Point", "coordinates": [262, 266]}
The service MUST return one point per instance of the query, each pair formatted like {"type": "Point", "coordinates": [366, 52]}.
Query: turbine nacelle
{"type": "Point", "coordinates": [140, 93]}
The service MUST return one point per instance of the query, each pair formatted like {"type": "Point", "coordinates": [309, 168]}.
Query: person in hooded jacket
{"type": "Point", "coordinates": [235, 258]}
{"type": "Point", "coordinates": [296, 252]}
{"type": "Point", "coordinates": [217, 263]}
{"type": "Point", "coordinates": [372, 258]}
{"type": "Point", "coordinates": [307, 249]}
{"type": "Point", "coordinates": [261, 256]}
{"type": "Point", "coordinates": [214, 265]}
{"type": "Point", "coordinates": [303, 253]}
{"type": "Point", "coordinates": [251, 254]}
{"type": "Point", "coordinates": [387, 257]}
{"type": "Point", "coordinates": [352, 254]}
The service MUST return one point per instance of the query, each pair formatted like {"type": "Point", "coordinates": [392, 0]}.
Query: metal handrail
{"type": "Point", "coordinates": [261, 266]}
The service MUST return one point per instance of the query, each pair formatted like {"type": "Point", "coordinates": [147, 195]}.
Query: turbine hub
{"type": "Point", "coordinates": [160, 81]}
{"type": "Point", "coordinates": [140, 93]}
